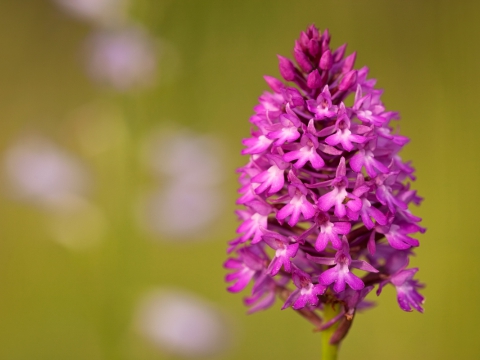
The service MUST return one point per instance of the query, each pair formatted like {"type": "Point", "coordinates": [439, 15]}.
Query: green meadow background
{"type": "Point", "coordinates": [59, 303]}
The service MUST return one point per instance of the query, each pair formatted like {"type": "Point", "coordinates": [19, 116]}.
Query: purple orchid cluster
{"type": "Point", "coordinates": [325, 191]}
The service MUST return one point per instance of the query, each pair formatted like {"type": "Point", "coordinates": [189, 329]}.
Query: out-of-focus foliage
{"type": "Point", "coordinates": [83, 260]}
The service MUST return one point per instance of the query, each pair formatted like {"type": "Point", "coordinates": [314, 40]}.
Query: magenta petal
{"type": "Point", "coordinates": [354, 281]}
{"type": "Point", "coordinates": [333, 139]}
{"type": "Point", "coordinates": [264, 303]}
{"type": "Point", "coordinates": [354, 204]}
{"type": "Point", "coordinates": [398, 244]}
{"type": "Point", "coordinates": [401, 277]}
{"type": "Point", "coordinates": [256, 145]}
{"type": "Point", "coordinates": [232, 264]}
{"type": "Point", "coordinates": [285, 211]}
{"type": "Point", "coordinates": [275, 266]}
{"type": "Point", "coordinates": [356, 162]}
{"type": "Point", "coordinates": [321, 260]}
{"type": "Point", "coordinates": [339, 285]}
{"type": "Point", "coordinates": [403, 302]}
{"type": "Point", "coordinates": [335, 240]}
{"type": "Point", "coordinates": [292, 250]}
{"type": "Point", "coordinates": [316, 161]}
{"type": "Point", "coordinates": [366, 220]}
{"type": "Point", "coordinates": [291, 299]}
{"type": "Point", "coordinates": [232, 276]}
{"type": "Point", "coordinates": [326, 60]}
{"type": "Point", "coordinates": [242, 282]}
{"type": "Point", "coordinates": [342, 227]}
{"type": "Point", "coordinates": [326, 201]}
{"type": "Point", "coordinates": [308, 211]}
{"type": "Point", "coordinates": [363, 265]}
{"type": "Point", "coordinates": [322, 241]}
{"type": "Point", "coordinates": [300, 303]}
{"type": "Point", "coordinates": [328, 276]}
{"type": "Point", "coordinates": [378, 216]}
{"type": "Point", "coordinates": [340, 210]}
{"type": "Point", "coordinates": [294, 217]}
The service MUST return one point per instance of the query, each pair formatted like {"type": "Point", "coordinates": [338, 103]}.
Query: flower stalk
{"type": "Point", "coordinates": [329, 350]}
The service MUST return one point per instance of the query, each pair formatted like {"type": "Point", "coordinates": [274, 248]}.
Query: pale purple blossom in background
{"type": "Point", "coordinates": [183, 324]}
{"type": "Point", "coordinates": [124, 58]}
{"type": "Point", "coordinates": [100, 11]}
{"type": "Point", "coordinates": [41, 172]}
{"type": "Point", "coordinates": [189, 157]}
{"type": "Point", "coordinates": [179, 212]}
{"type": "Point", "coordinates": [188, 199]}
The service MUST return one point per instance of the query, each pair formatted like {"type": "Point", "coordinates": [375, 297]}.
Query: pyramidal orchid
{"type": "Point", "coordinates": [325, 193]}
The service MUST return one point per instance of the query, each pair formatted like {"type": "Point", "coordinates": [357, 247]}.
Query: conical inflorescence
{"type": "Point", "coordinates": [324, 191]}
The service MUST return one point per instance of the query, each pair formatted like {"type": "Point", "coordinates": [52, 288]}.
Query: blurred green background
{"type": "Point", "coordinates": [73, 273]}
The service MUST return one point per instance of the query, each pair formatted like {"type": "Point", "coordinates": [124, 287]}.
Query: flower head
{"type": "Point", "coordinates": [325, 190]}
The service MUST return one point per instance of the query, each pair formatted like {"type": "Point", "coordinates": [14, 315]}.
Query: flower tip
{"type": "Point", "coordinates": [349, 62]}
{"type": "Point", "coordinates": [302, 60]}
{"type": "Point", "coordinates": [326, 61]}
{"type": "Point", "coordinates": [348, 80]}
{"type": "Point", "coordinates": [286, 67]}
{"type": "Point", "coordinates": [275, 84]}
{"type": "Point", "coordinates": [314, 80]}
{"type": "Point", "coordinates": [339, 53]}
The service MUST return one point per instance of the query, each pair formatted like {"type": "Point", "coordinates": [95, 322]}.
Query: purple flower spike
{"type": "Point", "coordinates": [306, 153]}
{"type": "Point", "coordinates": [272, 178]}
{"type": "Point", "coordinates": [324, 192]}
{"type": "Point", "coordinates": [336, 198]}
{"type": "Point", "coordinates": [340, 274]}
{"type": "Point", "coordinates": [286, 131]}
{"type": "Point", "coordinates": [398, 238]}
{"type": "Point", "coordinates": [252, 227]}
{"type": "Point", "coordinates": [246, 266]}
{"type": "Point", "coordinates": [306, 293]}
{"type": "Point", "coordinates": [297, 205]}
{"type": "Point", "coordinates": [256, 145]}
{"type": "Point", "coordinates": [366, 158]}
{"type": "Point", "coordinates": [283, 252]}
{"type": "Point", "coordinates": [263, 298]}
{"type": "Point", "coordinates": [322, 107]}
{"type": "Point", "coordinates": [343, 134]}
{"type": "Point", "coordinates": [329, 232]}
{"type": "Point", "coordinates": [408, 296]}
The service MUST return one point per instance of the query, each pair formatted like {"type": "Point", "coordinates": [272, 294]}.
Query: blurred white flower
{"type": "Point", "coordinates": [193, 159]}
{"type": "Point", "coordinates": [39, 171]}
{"type": "Point", "coordinates": [124, 58]}
{"type": "Point", "coordinates": [103, 11]}
{"type": "Point", "coordinates": [182, 324]}
{"type": "Point", "coordinates": [189, 200]}
{"type": "Point", "coordinates": [180, 211]}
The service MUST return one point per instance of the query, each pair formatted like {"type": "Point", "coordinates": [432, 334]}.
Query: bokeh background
{"type": "Point", "coordinates": [121, 130]}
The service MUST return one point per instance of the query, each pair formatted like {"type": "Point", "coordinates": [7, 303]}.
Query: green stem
{"type": "Point", "coordinates": [329, 351]}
